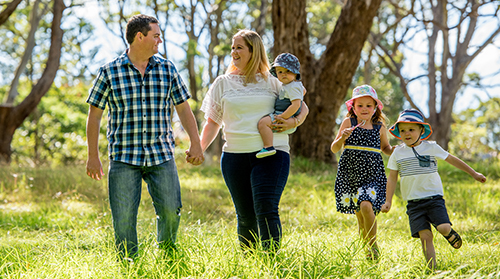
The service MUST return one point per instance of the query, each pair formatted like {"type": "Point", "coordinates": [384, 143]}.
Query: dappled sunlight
{"type": "Point", "coordinates": [18, 207]}
{"type": "Point", "coordinates": [78, 206]}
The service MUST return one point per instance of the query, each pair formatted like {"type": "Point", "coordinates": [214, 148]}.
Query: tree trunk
{"type": "Point", "coordinates": [11, 117]}
{"type": "Point", "coordinates": [11, 7]}
{"type": "Point", "coordinates": [327, 80]}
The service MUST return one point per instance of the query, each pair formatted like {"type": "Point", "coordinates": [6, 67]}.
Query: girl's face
{"type": "Point", "coordinates": [240, 53]}
{"type": "Point", "coordinates": [284, 75]}
{"type": "Point", "coordinates": [410, 133]}
{"type": "Point", "coordinates": [364, 107]}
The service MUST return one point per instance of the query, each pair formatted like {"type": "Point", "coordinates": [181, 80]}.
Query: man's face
{"type": "Point", "coordinates": [152, 40]}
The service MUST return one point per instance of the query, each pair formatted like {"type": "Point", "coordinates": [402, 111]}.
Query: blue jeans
{"type": "Point", "coordinates": [256, 186]}
{"type": "Point", "coordinates": [125, 184]}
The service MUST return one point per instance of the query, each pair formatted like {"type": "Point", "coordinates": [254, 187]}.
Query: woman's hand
{"type": "Point", "coordinates": [280, 124]}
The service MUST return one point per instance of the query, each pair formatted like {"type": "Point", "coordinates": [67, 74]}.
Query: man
{"type": "Point", "coordinates": [140, 90]}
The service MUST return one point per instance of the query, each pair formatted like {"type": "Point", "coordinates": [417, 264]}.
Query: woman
{"type": "Point", "coordinates": [237, 101]}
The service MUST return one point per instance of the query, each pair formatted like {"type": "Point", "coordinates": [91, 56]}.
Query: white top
{"type": "Point", "coordinates": [418, 182]}
{"type": "Point", "coordinates": [293, 91]}
{"type": "Point", "coordinates": [238, 108]}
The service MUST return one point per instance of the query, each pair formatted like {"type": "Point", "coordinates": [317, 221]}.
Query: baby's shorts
{"type": "Point", "coordinates": [424, 212]}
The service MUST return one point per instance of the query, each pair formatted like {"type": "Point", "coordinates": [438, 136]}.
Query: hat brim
{"type": "Point", "coordinates": [394, 130]}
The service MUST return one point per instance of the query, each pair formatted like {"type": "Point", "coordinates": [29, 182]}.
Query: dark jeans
{"type": "Point", "coordinates": [256, 186]}
{"type": "Point", "coordinates": [125, 184]}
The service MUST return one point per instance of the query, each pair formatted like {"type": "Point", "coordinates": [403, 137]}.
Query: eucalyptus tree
{"type": "Point", "coordinates": [43, 73]}
{"type": "Point", "coordinates": [447, 36]}
{"type": "Point", "coordinates": [326, 73]}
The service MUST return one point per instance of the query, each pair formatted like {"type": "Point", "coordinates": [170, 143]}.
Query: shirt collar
{"type": "Point", "coordinates": [124, 60]}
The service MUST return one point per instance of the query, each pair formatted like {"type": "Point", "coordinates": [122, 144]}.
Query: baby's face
{"type": "Point", "coordinates": [284, 75]}
{"type": "Point", "coordinates": [410, 133]}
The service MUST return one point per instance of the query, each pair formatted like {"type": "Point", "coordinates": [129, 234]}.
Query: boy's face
{"type": "Point", "coordinates": [284, 75]}
{"type": "Point", "coordinates": [410, 132]}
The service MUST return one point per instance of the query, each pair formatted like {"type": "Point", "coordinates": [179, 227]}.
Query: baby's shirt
{"type": "Point", "coordinates": [293, 91]}
{"type": "Point", "coordinates": [418, 182]}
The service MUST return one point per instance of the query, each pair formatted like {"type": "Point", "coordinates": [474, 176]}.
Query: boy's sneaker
{"type": "Point", "coordinates": [266, 151]}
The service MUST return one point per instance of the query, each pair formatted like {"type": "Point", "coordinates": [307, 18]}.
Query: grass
{"type": "Point", "coordinates": [56, 223]}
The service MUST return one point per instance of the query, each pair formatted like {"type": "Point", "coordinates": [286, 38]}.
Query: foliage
{"type": "Point", "coordinates": [55, 133]}
{"type": "Point", "coordinates": [476, 132]}
{"type": "Point", "coordinates": [56, 223]}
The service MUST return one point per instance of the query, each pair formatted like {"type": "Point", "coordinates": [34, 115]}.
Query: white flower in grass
{"type": "Point", "coordinates": [372, 193]}
{"type": "Point", "coordinates": [346, 200]}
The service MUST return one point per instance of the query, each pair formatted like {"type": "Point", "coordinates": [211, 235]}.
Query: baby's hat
{"type": "Point", "coordinates": [361, 91]}
{"type": "Point", "coordinates": [287, 61]}
{"type": "Point", "coordinates": [411, 116]}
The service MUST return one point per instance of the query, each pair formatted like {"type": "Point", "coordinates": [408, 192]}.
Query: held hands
{"type": "Point", "coordinates": [194, 155]}
{"type": "Point", "coordinates": [386, 207]}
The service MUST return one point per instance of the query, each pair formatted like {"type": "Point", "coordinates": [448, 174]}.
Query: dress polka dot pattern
{"type": "Point", "coordinates": [361, 174]}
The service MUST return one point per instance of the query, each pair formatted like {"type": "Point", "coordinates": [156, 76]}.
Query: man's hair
{"type": "Point", "coordinates": [139, 23]}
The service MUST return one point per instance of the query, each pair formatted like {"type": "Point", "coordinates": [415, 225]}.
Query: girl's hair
{"type": "Point", "coordinates": [378, 116]}
{"type": "Point", "coordinates": [258, 63]}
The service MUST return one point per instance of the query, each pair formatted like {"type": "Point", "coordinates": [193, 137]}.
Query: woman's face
{"type": "Point", "coordinates": [240, 53]}
{"type": "Point", "coordinates": [364, 107]}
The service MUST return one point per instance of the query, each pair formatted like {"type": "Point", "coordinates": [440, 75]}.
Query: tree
{"type": "Point", "coordinates": [11, 115]}
{"type": "Point", "coordinates": [327, 78]}
{"type": "Point", "coordinates": [454, 35]}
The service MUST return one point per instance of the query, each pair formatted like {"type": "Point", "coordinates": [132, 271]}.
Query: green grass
{"type": "Point", "coordinates": [56, 223]}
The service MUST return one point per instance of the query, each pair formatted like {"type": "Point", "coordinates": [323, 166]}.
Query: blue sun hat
{"type": "Point", "coordinates": [287, 61]}
{"type": "Point", "coordinates": [362, 91]}
{"type": "Point", "coordinates": [411, 116]}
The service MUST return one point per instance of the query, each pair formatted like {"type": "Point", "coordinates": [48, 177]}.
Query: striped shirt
{"type": "Point", "coordinates": [140, 107]}
{"type": "Point", "coordinates": [418, 182]}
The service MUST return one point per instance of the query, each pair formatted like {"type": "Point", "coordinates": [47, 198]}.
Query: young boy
{"type": "Point", "coordinates": [421, 186]}
{"type": "Point", "coordinates": [286, 68]}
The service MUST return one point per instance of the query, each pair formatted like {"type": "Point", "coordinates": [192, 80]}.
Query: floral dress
{"type": "Point", "coordinates": [361, 174]}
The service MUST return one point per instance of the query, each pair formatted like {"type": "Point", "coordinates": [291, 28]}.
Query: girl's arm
{"type": "Point", "coordinates": [392, 181]}
{"type": "Point", "coordinates": [384, 142]}
{"type": "Point", "coordinates": [343, 133]}
{"type": "Point", "coordinates": [461, 165]}
{"type": "Point", "coordinates": [210, 131]}
{"type": "Point", "coordinates": [292, 109]}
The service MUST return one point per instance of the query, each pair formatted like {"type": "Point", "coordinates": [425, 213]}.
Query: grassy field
{"type": "Point", "coordinates": [56, 223]}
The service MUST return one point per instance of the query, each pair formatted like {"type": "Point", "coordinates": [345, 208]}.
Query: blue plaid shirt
{"type": "Point", "coordinates": [140, 109]}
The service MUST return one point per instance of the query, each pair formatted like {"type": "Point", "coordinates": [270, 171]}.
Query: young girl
{"type": "Point", "coordinates": [361, 182]}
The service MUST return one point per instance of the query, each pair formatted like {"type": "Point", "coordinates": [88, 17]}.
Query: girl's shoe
{"type": "Point", "coordinates": [266, 151]}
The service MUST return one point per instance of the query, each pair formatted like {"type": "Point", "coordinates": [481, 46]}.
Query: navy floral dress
{"type": "Point", "coordinates": [361, 174]}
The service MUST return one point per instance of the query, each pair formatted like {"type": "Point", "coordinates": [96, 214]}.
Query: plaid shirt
{"type": "Point", "coordinates": [140, 109]}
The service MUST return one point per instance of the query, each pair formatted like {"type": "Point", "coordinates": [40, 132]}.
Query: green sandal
{"type": "Point", "coordinates": [455, 240]}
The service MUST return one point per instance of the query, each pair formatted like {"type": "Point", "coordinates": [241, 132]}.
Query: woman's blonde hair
{"type": "Point", "coordinates": [258, 63]}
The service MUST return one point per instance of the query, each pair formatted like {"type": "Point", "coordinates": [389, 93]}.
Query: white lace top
{"type": "Point", "coordinates": [238, 108]}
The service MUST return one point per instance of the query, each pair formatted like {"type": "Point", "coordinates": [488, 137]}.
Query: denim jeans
{"type": "Point", "coordinates": [125, 185]}
{"type": "Point", "coordinates": [256, 186]}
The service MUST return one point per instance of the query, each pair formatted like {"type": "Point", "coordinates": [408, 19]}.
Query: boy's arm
{"type": "Point", "coordinates": [392, 181]}
{"type": "Point", "coordinates": [461, 165]}
{"type": "Point", "coordinates": [292, 109]}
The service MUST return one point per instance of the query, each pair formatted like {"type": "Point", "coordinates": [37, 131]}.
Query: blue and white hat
{"type": "Point", "coordinates": [287, 61]}
{"type": "Point", "coordinates": [411, 116]}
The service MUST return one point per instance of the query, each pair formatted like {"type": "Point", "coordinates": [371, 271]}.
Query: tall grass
{"type": "Point", "coordinates": [56, 223]}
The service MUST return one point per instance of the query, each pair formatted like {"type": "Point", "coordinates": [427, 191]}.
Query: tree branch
{"type": "Point", "coordinates": [11, 7]}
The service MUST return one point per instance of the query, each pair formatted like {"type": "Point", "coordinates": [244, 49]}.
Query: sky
{"type": "Point", "coordinates": [485, 64]}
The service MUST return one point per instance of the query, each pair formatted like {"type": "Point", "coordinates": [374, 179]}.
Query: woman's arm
{"type": "Point", "coordinates": [210, 131]}
{"type": "Point", "coordinates": [280, 124]}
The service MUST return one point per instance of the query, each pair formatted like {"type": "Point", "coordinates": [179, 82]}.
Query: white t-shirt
{"type": "Point", "coordinates": [418, 182]}
{"type": "Point", "coordinates": [238, 108]}
{"type": "Point", "coordinates": [293, 91]}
